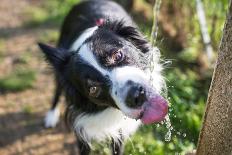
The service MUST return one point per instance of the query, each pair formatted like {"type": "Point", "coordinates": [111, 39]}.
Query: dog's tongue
{"type": "Point", "coordinates": [155, 110]}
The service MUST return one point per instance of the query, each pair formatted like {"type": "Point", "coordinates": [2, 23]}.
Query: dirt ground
{"type": "Point", "coordinates": [22, 132]}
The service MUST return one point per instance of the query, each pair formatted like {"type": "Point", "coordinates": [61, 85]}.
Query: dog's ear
{"type": "Point", "coordinates": [136, 37]}
{"type": "Point", "coordinates": [130, 33]}
{"type": "Point", "coordinates": [57, 57]}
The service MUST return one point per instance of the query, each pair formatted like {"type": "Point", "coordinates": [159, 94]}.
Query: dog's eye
{"type": "Point", "coordinates": [94, 91]}
{"type": "Point", "coordinates": [117, 56]}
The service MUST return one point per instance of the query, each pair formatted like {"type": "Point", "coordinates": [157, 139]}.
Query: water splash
{"type": "Point", "coordinates": [168, 125]}
{"type": "Point", "coordinates": [132, 144]}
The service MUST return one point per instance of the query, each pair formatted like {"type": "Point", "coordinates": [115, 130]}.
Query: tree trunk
{"type": "Point", "coordinates": [216, 134]}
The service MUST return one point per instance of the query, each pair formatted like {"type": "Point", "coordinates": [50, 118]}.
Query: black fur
{"type": "Point", "coordinates": [84, 15]}
{"type": "Point", "coordinates": [58, 57]}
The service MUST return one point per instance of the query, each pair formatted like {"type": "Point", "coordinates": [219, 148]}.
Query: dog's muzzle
{"type": "Point", "coordinates": [151, 106]}
{"type": "Point", "coordinates": [136, 98]}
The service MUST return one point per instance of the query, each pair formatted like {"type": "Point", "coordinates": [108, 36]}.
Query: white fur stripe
{"type": "Point", "coordinates": [81, 39]}
{"type": "Point", "coordinates": [87, 55]}
{"type": "Point", "coordinates": [85, 52]}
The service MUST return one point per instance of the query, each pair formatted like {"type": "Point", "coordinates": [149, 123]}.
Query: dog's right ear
{"type": "Point", "coordinates": [57, 57]}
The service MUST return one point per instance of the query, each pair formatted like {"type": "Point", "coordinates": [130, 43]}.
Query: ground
{"type": "Point", "coordinates": [22, 112]}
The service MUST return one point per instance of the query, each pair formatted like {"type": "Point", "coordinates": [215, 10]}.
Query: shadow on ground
{"type": "Point", "coordinates": [18, 127]}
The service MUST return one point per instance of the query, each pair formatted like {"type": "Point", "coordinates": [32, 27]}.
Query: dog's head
{"type": "Point", "coordinates": [108, 64]}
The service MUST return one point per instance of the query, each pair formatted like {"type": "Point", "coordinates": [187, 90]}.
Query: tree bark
{"type": "Point", "coordinates": [216, 133]}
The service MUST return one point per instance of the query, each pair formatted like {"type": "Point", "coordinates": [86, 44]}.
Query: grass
{"type": "Point", "coordinates": [49, 36]}
{"type": "Point", "coordinates": [17, 81]}
{"type": "Point", "coordinates": [27, 109]}
{"type": "Point", "coordinates": [48, 14]}
{"type": "Point", "coordinates": [36, 16]}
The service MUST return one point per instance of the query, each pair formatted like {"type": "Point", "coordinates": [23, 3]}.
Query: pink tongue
{"type": "Point", "coordinates": [155, 109]}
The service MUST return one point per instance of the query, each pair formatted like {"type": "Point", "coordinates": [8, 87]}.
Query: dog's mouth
{"type": "Point", "coordinates": [153, 110]}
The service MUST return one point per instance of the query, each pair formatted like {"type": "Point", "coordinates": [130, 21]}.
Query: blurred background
{"type": "Point", "coordinates": [26, 82]}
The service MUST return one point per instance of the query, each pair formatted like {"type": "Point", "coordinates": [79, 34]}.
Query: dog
{"type": "Point", "coordinates": [101, 65]}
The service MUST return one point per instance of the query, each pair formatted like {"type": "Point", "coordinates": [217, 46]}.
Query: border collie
{"type": "Point", "coordinates": [101, 65]}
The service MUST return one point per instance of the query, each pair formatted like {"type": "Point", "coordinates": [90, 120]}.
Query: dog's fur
{"type": "Point", "coordinates": [82, 63]}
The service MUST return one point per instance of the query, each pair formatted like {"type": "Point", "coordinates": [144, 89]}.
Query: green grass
{"type": "Point", "coordinates": [27, 109]}
{"type": "Point", "coordinates": [17, 81]}
{"type": "Point", "coordinates": [35, 16]}
{"type": "Point", "coordinates": [49, 36]}
{"type": "Point", "coordinates": [48, 14]}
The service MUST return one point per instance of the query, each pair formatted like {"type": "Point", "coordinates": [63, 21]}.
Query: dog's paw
{"type": "Point", "coordinates": [52, 118]}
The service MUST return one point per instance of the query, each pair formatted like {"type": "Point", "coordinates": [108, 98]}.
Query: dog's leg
{"type": "Point", "coordinates": [117, 147]}
{"type": "Point", "coordinates": [52, 116]}
{"type": "Point", "coordinates": [84, 148]}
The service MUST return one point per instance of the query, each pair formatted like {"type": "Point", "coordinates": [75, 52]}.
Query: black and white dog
{"type": "Point", "coordinates": [101, 65]}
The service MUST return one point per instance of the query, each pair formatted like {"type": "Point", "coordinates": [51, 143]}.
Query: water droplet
{"type": "Point", "coordinates": [168, 124]}
{"type": "Point", "coordinates": [168, 136]}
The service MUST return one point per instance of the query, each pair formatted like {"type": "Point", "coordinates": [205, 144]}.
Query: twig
{"type": "Point", "coordinates": [153, 37]}
{"type": "Point", "coordinates": [204, 31]}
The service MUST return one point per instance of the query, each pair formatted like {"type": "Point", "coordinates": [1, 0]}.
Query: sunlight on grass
{"type": "Point", "coordinates": [48, 14]}
{"type": "Point", "coordinates": [36, 16]}
{"type": "Point", "coordinates": [17, 81]}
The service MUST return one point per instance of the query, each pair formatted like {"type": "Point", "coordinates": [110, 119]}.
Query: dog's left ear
{"type": "Point", "coordinates": [133, 35]}
{"type": "Point", "coordinates": [57, 57]}
{"type": "Point", "coordinates": [130, 33]}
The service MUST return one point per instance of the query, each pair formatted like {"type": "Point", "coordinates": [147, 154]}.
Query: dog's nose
{"type": "Point", "coordinates": [136, 95]}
